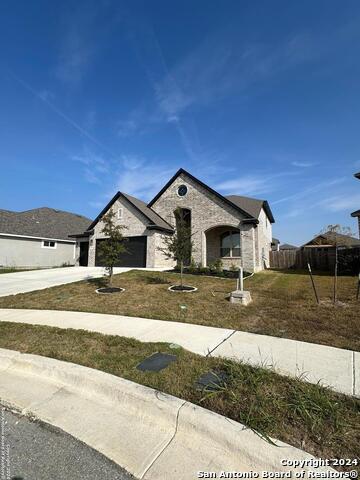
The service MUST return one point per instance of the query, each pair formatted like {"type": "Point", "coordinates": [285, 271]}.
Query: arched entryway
{"type": "Point", "coordinates": [224, 243]}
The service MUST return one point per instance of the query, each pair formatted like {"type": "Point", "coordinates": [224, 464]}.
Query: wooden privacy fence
{"type": "Point", "coordinates": [320, 258]}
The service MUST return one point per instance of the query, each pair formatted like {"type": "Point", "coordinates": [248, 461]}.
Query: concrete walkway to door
{"type": "Point", "coordinates": [333, 367]}
{"type": "Point", "coordinates": [30, 280]}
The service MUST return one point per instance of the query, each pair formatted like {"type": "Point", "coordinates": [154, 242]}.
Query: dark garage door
{"type": "Point", "coordinates": [134, 257]}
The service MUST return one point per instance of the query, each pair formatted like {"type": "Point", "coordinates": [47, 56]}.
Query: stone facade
{"type": "Point", "coordinates": [208, 211]}
{"type": "Point", "coordinates": [211, 216]}
{"type": "Point", "coordinates": [136, 225]}
{"type": "Point", "coordinates": [263, 240]}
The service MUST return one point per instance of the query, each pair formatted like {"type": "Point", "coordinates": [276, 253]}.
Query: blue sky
{"type": "Point", "coordinates": [255, 98]}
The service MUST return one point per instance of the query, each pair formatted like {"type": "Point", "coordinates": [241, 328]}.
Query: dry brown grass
{"type": "Point", "coordinates": [283, 304]}
{"type": "Point", "coordinates": [316, 419]}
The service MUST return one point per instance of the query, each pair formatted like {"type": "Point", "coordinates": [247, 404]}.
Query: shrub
{"type": "Point", "coordinates": [193, 267]}
{"type": "Point", "coordinates": [204, 270]}
{"type": "Point", "coordinates": [218, 264]}
{"type": "Point", "coordinates": [212, 267]}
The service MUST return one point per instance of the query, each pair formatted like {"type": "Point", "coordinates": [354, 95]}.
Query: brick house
{"type": "Point", "coordinates": [234, 228]}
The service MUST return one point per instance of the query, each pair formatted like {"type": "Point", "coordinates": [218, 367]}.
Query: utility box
{"type": "Point", "coordinates": [242, 297]}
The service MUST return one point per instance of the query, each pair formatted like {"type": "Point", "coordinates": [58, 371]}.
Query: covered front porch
{"type": "Point", "coordinates": [224, 243]}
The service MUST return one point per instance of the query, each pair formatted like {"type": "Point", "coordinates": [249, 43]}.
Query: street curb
{"type": "Point", "coordinates": [151, 434]}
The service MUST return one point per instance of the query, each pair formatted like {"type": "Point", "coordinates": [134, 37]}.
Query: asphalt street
{"type": "Point", "coordinates": [36, 451]}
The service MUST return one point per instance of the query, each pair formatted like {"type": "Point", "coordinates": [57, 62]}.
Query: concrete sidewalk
{"type": "Point", "coordinates": [333, 367]}
{"type": "Point", "coordinates": [28, 281]}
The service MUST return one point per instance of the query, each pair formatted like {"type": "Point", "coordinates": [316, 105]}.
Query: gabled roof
{"type": "Point", "coordinates": [287, 246]}
{"type": "Point", "coordinates": [237, 203]}
{"type": "Point", "coordinates": [42, 222]}
{"type": "Point", "coordinates": [333, 238]}
{"type": "Point", "coordinates": [356, 213]}
{"type": "Point", "coordinates": [156, 222]}
{"type": "Point", "coordinates": [252, 205]}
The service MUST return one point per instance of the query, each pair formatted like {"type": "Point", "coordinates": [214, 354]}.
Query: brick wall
{"type": "Point", "coordinates": [136, 224]}
{"type": "Point", "coordinates": [207, 211]}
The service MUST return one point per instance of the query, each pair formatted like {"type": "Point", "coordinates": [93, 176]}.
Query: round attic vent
{"type": "Point", "coordinates": [182, 190]}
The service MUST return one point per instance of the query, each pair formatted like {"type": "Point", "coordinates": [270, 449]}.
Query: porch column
{"type": "Point", "coordinates": [203, 249]}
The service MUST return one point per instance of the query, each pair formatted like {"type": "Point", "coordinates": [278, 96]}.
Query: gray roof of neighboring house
{"type": "Point", "coordinates": [42, 222]}
{"type": "Point", "coordinates": [287, 246]}
{"type": "Point", "coordinates": [275, 240]}
{"type": "Point", "coordinates": [155, 220]}
{"type": "Point", "coordinates": [333, 237]}
{"type": "Point", "coordinates": [252, 206]}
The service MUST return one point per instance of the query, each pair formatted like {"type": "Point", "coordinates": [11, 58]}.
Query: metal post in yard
{"type": "Point", "coordinates": [240, 280]}
{"type": "Point", "coordinates": [335, 274]}
{"type": "Point", "coordinates": [313, 284]}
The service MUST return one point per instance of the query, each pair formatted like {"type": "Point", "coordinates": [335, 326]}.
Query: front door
{"type": "Point", "coordinates": [84, 254]}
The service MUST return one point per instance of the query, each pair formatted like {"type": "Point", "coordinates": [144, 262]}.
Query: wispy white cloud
{"type": "Point", "coordinates": [77, 46]}
{"type": "Point", "coordinates": [303, 164]}
{"type": "Point", "coordinates": [253, 184]}
{"type": "Point", "coordinates": [90, 120]}
{"type": "Point", "coordinates": [95, 166]}
{"type": "Point", "coordinates": [305, 192]}
{"type": "Point", "coordinates": [337, 203]}
{"type": "Point", "coordinates": [216, 68]}
{"type": "Point", "coordinates": [59, 112]}
{"type": "Point", "coordinates": [141, 178]}
{"type": "Point", "coordinates": [89, 158]}
{"type": "Point", "coordinates": [97, 204]}
{"type": "Point", "coordinates": [46, 95]}
{"type": "Point", "coordinates": [91, 177]}
{"type": "Point", "coordinates": [127, 127]}
{"type": "Point", "coordinates": [295, 212]}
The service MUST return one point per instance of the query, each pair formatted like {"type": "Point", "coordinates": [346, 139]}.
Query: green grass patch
{"type": "Point", "coordinates": [306, 416]}
{"type": "Point", "coordinates": [283, 303]}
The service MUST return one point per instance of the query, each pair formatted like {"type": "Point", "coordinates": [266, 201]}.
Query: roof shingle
{"type": "Point", "coordinates": [43, 223]}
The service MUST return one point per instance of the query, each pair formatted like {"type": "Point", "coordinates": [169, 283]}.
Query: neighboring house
{"type": "Point", "coordinates": [287, 246]}
{"type": "Point", "coordinates": [275, 243]}
{"type": "Point", "coordinates": [357, 212]}
{"type": "Point", "coordinates": [234, 228]}
{"type": "Point", "coordinates": [331, 239]}
{"type": "Point", "coordinates": [38, 237]}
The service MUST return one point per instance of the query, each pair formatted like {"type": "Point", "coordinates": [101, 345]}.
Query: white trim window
{"type": "Point", "coordinates": [48, 244]}
{"type": "Point", "coordinates": [230, 244]}
{"type": "Point", "coordinates": [120, 214]}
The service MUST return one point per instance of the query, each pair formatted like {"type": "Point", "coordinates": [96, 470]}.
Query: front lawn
{"type": "Point", "coordinates": [306, 416]}
{"type": "Point", "coordinates": [283, 305]}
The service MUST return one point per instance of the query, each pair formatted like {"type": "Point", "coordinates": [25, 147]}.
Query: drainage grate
{"type": "Point", "coordinates": [156, 362]}
{"type": "Point", "coordinates": [211, 381]}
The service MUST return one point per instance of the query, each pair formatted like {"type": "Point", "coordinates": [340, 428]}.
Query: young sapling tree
{"type": "Point", "coordinates": [340, 237]}
{"type": "Point", "coordinates": [178, 246]}
{"type": "Point", "coordinates": [114, 244]}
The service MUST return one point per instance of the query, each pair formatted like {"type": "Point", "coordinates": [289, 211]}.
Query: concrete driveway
{"type": "Point", "coordinates": [20, 282]}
